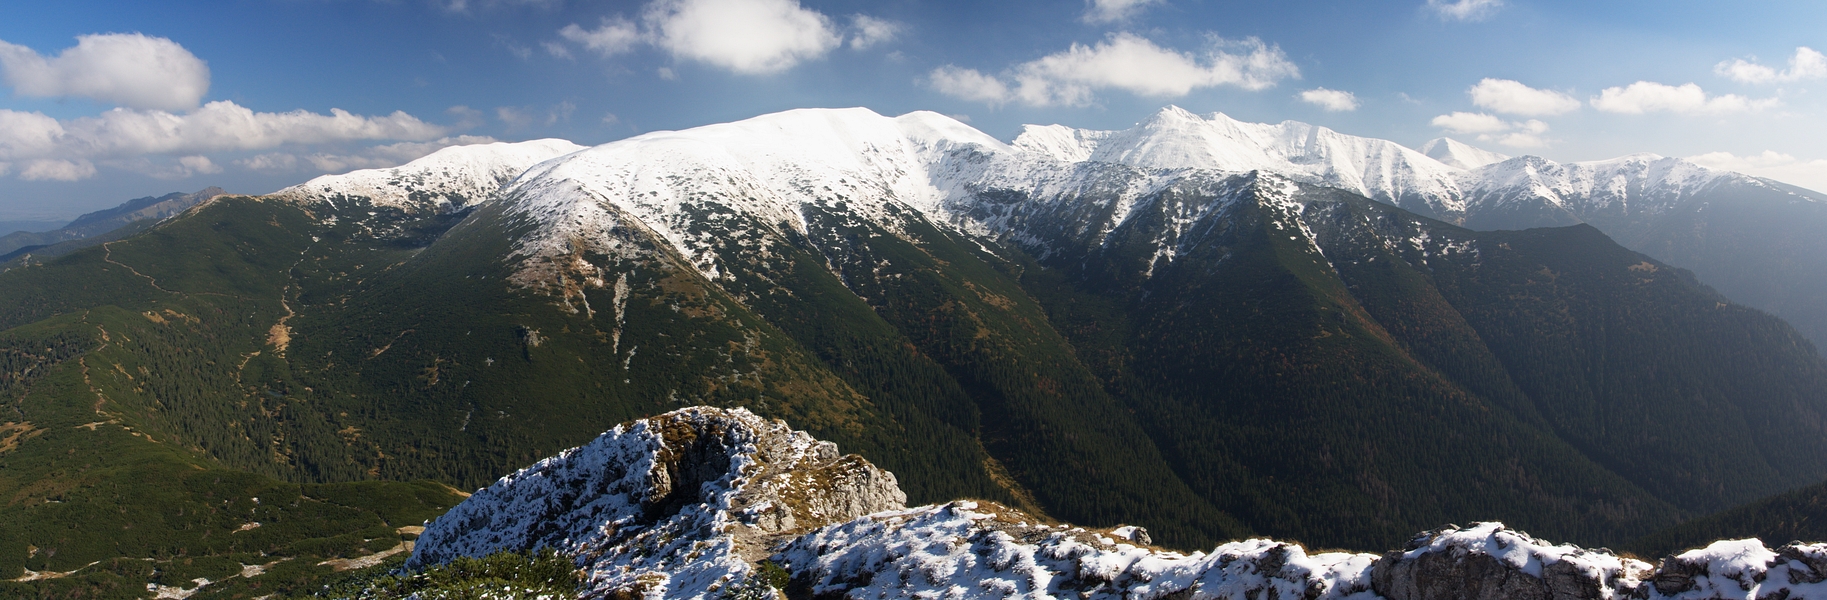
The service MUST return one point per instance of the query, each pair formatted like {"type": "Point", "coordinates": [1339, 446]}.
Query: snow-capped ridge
{"type": "Point", "coordinates": [452, 177]}
{"type": "Point", "coordinates": [1453, 153]}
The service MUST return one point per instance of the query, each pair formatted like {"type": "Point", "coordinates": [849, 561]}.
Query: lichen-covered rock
{"type": "Point", "coordinates": [676, 506]}
{"type": "Point", "coordinates": [1490, 562]}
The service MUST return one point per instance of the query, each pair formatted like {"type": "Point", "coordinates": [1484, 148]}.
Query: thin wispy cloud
{"type": "Point", "coordinates": [1124, 62]}
{"type": "Point", "coordinates": [1111, 11]}
{"type": "Point", "coordinates": [1464, 10]}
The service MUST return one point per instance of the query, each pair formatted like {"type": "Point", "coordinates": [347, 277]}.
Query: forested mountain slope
{"type": "Point", "coordinates": [1210, 354]}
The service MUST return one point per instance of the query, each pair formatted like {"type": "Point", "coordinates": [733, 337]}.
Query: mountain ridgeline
{"type": "Point", "coordinates": [1205, 351]}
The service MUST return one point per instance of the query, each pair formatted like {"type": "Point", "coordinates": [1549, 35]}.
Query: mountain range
{"type": "Point", "coordinates": [1208, 327]}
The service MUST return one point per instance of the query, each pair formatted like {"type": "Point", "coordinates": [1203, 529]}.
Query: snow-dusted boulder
{"type": "Point", "coordinates": [681, 505]}
{"type": "Point", "coordinates": [1489, 561]}
{"type": "Point", "coordinates": [1743, 569]}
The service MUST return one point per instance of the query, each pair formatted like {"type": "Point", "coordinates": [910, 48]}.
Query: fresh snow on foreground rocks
{"type": "Point", "coordinates": [689, 503]}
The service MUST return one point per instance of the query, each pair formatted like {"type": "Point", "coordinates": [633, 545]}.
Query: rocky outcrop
{"type": "Point", "coordinates": [713, 503]}
{"type": "Point", "coordinates": [680, 506]}
{"type": "Point", "coordinates": [1490, 562]}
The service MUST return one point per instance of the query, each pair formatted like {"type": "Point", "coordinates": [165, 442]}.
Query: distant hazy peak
{"type": "Point", "coordinates": [1455, 154]}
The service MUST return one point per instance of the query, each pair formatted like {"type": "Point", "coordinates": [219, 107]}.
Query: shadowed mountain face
{"type": "Point", "coordinates": [1204, 353]}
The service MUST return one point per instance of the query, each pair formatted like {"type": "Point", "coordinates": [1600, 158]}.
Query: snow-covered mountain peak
{"type": "Point", "coordinates": [1452, 153]}
{"type": "Point", "coordinates": [452, 177]}
{"type": "Point", "coordinates": [1060, 142]}
{"type": "Point", "coordinates": [765, 171]}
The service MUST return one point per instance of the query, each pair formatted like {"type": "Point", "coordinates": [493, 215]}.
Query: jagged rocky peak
{"type": "Point", "coordinates": [450, 178]}
{"type": "Point", "coordinates": [688, 504]}
{"type": "Point", "coordinates": [1453, 153]}
{"type": "Point", "coordinates": [681, 505]}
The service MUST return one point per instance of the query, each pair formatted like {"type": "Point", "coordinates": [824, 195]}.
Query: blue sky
{"type": "Point", "coordinates": [106, 101]}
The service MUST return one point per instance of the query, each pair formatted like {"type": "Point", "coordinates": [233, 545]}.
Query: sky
{"type": "Point", "coordinates": [104, 101]}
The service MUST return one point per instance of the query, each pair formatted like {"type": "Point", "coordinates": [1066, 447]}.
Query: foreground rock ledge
{"type": "Point", "coordinates": [689, 503]}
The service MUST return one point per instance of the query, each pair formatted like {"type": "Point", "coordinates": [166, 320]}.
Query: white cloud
{"type": "Point", "coordinates": [1465, 10]}
{"type": "Point", "coordinates": [1805, 64]}
{"type": "Point", "coordinates": [1647, 96]}
{"type": "Point", "coordinates": [1512, 97]}
{"type": "Point", "coordinates": [1811, 174]}
{"type": "Point", "coordinates": [1107, 11]}
{"type": "Point", "coordinates": [375, 157]}
{"type": "Point", "coordinates": [615, 36]}
{"type": "Point", "coordinates": [61, 149]}
{"type": "Point", "coordinates": [522, 117]}
{"type": "Point", "coordinates": [868, 31]}
{"type": "Point", "coordinates": [1124, 61]}
{"type": "Point", "coordinates": [1488, 128]}
{"type": "Point", "coordinates": [1331, 100]}
{"type": "Point", "coordinates": [126, 69]}
{"type": "Point", "coordinates": [199, 164]}
{"type": "Point", "coordinates": [968, 84]}
{"type": "Point", "coordinates": [1465, 122]}
{"type": "Point", "coordinates": [57, 170]}
{"type": "Point", "coordinates": [272, 162]}
{"type": "Point", "coordinates": [746, 36]}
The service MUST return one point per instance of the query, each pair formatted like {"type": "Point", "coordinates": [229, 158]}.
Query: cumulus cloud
{"type": "Point", "coordinates": [1648, 96]}
{"type": "Point", "coordinates": [868, 31]}
{"type": "Point", "coordinates": [61, 149]}
{"type": "Point", "coordinates": [968, 84]}
{"type": "Point", "coordinates": [746, 36]}
{"type": "Point", "coordinates": [1464, 10]}
{"type": "Point", "coordinates": [1805, 64]}
{"type": "Point", "coordinates": [754, 37]}
{"type": "Point", "coordinates": [1107, 11]}
{"type": "Point", "coordinates": [1489, 128]}
{"type": "Point", "coordinates": [1465, 122]}
{"type": "Point", "coordinates": [1513, 98]}
{"type": "Point", "coordinates": [1331, 100]}
{"type": "Point", "coordinates": [614, 36]}
{"type": "Point", "coordinates": [1811, 174]}
{"type": "Point", "coordinates": [1124, 61]}
{"type": "Point", "coordinates": [125, 69]}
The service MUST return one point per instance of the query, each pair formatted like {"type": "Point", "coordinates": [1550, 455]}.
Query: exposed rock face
{"type": "Point", "coordinates": [676, 506]}
{"type": "Point", "coordinates": [688, 504]}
